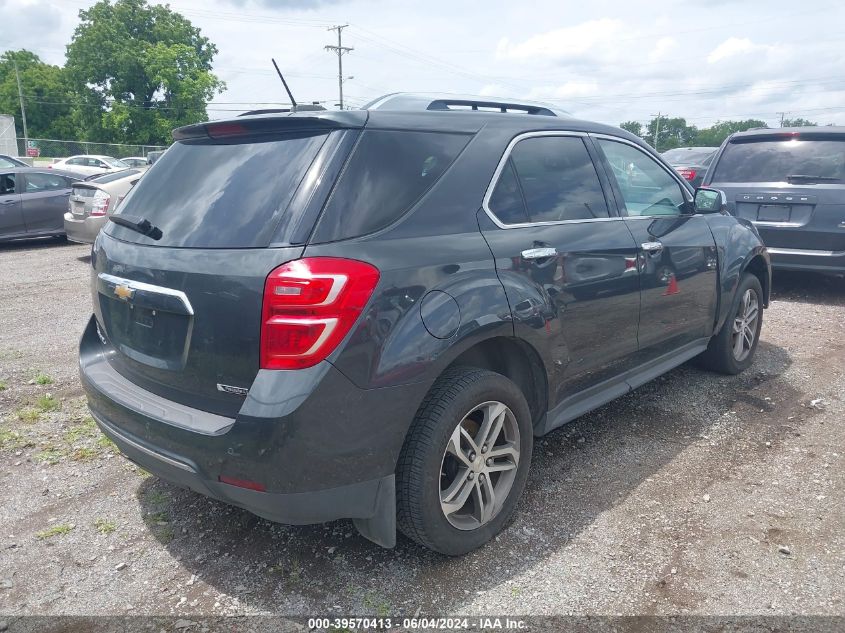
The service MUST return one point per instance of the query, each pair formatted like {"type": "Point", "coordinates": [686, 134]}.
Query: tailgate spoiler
{"type": "Point", "coordinates": [274, 123]}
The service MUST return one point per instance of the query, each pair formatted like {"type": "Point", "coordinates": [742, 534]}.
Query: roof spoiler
{"type": "Point", "coordinates": [272, 122]}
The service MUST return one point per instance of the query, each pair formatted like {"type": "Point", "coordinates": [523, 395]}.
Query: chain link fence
{"type": "Point", "coordinates": [51, 148]}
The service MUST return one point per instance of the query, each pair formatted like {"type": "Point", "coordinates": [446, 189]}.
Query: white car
{"type": "Point", "coordinates": [136, 162]}
{"type": "Point", "coordinates": [89, 164]}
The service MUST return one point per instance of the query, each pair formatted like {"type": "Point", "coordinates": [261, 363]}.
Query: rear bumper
{"type": "Point", "coordinates": [809, 260]}
{"type": "Point", "coordinates": [83, 230]}
{"type": "Point", "coordinates": [321, 448]}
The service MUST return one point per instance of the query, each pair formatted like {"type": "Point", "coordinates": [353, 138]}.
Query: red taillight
{"type": "Point", "coordinates": [221, 130]}
{"type": "Point", "coordinates": [242, 483]}
{"type": "Point", "coordinates": [687, 173]}
{"type": "Point", "coordinates": [309, 307]}
{"type": "Point", "coordinates": [100, 204]}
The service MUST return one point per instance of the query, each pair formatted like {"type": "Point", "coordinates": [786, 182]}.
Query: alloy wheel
{"type": "Point", "coordinates": [745, 325]}
{"type": "Point", "coordinates": [479, 466]}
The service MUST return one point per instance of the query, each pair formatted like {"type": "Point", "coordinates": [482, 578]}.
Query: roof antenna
{"type": "Point", "coordinates": [284, 83]}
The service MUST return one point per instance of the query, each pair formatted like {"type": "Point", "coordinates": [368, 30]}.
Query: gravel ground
{"type": "Point", "coordinates": [696, 494]}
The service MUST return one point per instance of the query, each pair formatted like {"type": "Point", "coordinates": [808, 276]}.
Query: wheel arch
{"type": "Point", "coordinates": [758, 266]}
{"type": "Point", "coordinates": [516, 360]}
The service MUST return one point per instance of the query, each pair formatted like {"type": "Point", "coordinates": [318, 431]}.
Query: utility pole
{"type": "Point", "coordinates": [657, 132]}
{"type": "Point", "coordinates": [23, 108]}
{"type": "Point", "coordinates": [782, 114]}
{"type": "Point", "coordinates": [340, 49]}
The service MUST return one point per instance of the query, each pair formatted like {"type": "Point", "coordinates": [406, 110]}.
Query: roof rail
{"type": "Point", "coordinates": [406, 101]}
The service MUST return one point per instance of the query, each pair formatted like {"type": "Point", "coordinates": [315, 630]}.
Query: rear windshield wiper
{"type": "Point", "coordinates": [140, 225]}
{"type": "Point", "coordinates": [809, 177]}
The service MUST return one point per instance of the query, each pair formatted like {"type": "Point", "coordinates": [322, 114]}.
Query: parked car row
{"type": "Point", "coordinates": [789, 183]}
{"type": "Point", "coordinates": [38, 203]}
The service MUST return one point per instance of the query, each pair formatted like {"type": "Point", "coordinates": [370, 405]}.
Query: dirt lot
{"type": "Point", "coordinates": [697, 493]}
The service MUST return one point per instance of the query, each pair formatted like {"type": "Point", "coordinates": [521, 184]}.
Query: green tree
{"type": "Point", "coordinates": [671, 133]}
{"type": "Point", "coordinates": [148, 70]}
{"type": "Point", "coordinates": [799, 122]}
{"type": "Point", "coordinates": [634, 127]}
{"type": "Point", "coordinates": [715, 134]}
{"type": "Point", "coordinates": [48, 97]}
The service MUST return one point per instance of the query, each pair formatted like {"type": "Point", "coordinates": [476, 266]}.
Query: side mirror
{"type": "Point", "coordinates": [710, 201]}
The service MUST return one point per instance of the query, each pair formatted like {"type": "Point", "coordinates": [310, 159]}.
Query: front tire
{"type": "Point", "coordinates": [465, 461]}
{"type": "Point", "coordinates": [732, 350]}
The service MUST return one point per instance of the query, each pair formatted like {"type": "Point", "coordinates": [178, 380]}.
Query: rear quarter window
{"type": "Point", "coordinates": [386, 174]}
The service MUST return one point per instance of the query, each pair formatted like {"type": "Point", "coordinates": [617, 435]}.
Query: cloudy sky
{"type": "Point", "coordinates": [601, 60]}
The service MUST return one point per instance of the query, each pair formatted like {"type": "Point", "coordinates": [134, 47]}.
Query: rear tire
{"type": "Point", "coordinates": [465, 461]}
{"type": "Point", "coordinates": [730, 351]}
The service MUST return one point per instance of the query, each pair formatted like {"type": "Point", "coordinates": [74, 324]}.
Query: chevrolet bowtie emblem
{"type": "Point", "coordinates": [124, 292]}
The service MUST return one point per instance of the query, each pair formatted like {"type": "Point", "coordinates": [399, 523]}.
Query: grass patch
{"type": "Point", "coordinates": [105, 526]}
{"type": "Point", "coordinates": [156, 497]}
{"type": "Point", "coordinates": [51, 455]}
{"type": "Point", "coordinates": [159, 517]}
{"type": "Point", "coordinates": [48, 403]}
{"type": "Point", "coordinates": [55, 530]}
{"type": "Point", "coordinates": [28, 415]}
{"type": "Point", "coordinates": [106, 444]}
{"type": "Point", "coordinates": [3, 385]}
{"type": "Point", "coordinates": [13, 440]}
{"type": "Point", "coordinates": [84, 454]}
{"type": "Point", "coordinates": [290, 573]}
{"type": "Point", "coordinates": [42, 379]}
{"type": "Point", "coordinates": [377, 604]}
{"type": "Point", "coordinates": [87, 428]}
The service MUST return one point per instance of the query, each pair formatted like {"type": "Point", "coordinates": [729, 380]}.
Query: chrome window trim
{"type": "Point", "coordinates": [140, 285]}
{"type": "Point", "coordinates": [485, 203]}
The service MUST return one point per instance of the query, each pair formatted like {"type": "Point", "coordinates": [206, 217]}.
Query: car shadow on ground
{"type": "Point", "coordinates": [578, 472]}
{"type": "Point", "coordinates": [806, 287]}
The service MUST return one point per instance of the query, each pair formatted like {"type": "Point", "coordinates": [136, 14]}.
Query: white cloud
{"type": "Point", "coordinates": [731, 47]}
{"type": "Point", "coordinates": [564, 43]}
{"type": "Point", "coordinates": [662, 48]}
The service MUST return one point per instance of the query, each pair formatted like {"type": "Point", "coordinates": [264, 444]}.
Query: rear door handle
{"type": "Point", "coordinates": [539, 253]}
{"type": "Point", "coordinates": [652, 247]}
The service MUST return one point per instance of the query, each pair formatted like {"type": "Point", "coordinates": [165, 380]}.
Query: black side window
{"type": "Point", "coordinates": [557, 178]}
{"type": "Point", "coordinates": [36, 183]}
{"type": "Point", "coordinates": [7, 184]}
{"type": "Point", "coordinates": [387, 173]}
{"type": "Point", "coordinates": [507, 202]}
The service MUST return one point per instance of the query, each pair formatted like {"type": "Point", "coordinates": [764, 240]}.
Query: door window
{"type": "Point", "coordinates": [647, 188]}
{"type": "Point", "coordinates": [75, 161]}
{"type": "Point", "coordinates": [7, 184]}
{"type": "Point", "coordinates": [557, 182]}
{"type": "Point", "coordinates": [36, 183]}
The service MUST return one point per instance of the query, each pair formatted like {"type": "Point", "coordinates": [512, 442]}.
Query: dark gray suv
{"type": "Point", "coordinates": [790, 182]}
{"type": "Point", "coordinates": [370, 314]}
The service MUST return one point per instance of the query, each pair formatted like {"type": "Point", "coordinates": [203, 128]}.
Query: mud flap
{"type": "Point", "coordinates": [381, 527]}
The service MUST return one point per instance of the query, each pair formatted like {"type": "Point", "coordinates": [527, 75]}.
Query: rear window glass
{"type": "Point", "coordinates": [695, 156]}
{"type": "Point", "coordinates": [115, 175]}
{"type": "Point", "coordinates": [220, 193]}
{"type": "Point", "coordinates": [777, 160]}
{"type": "Point", "coordinates": [386, 174]}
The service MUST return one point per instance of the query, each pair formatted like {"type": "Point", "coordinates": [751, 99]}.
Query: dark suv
{"type": "Point", "coordinates": [370, 314]}
{"type": "Point", "coordinates": [790, 183]}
